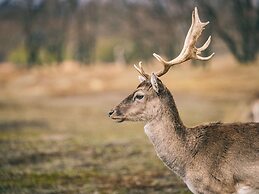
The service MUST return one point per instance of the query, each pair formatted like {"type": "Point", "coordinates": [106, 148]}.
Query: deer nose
{"type": "Point", "coordinates": [111, 112]}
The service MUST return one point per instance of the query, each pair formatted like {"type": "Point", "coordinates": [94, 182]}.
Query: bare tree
{"type": "Point", "coordinates": [33, 37]}
{"type": "Point", "coordinates": [87, 30]}
{"type": "Point", "coordinates": [237, 24]}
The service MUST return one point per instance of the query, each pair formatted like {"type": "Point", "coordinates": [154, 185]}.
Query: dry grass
{"type": "Point", "coordinates": [55, 136]}
{"type": "Point", "coordinates": [67, 145]}
{"type": "Point", "coordinates": [222, 78]}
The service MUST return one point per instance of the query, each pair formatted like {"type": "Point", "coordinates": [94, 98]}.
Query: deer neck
{"type": "Point", "coordinates": [167, 133]}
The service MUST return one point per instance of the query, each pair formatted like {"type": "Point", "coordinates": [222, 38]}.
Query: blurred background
{"type": "Point", "coordinates": [65, 63]}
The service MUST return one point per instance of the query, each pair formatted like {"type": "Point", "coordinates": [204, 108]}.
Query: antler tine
{"type": "Point", "coordinates": [141, 71]}
{"type": "Point", "coordinates": [189, 50]}
{"type": "Point", "coordinates": [205, 45]}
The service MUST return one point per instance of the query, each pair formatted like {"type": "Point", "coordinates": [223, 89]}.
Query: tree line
{"type": "Point", "coordinates": [35, 32]}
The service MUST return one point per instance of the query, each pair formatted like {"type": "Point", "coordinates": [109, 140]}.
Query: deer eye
{"type": "Point", "coordinates": [138, 96]}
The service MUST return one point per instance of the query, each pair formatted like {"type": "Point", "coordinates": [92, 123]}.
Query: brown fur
{"type": "Point", "coordinates": [213, 158]}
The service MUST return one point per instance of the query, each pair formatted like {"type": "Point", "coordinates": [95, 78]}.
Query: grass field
{"type": "Point", "coordinates": [55, 136]}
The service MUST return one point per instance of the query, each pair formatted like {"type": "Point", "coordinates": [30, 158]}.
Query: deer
{"type": "Point", "coordinates": [212, 158]}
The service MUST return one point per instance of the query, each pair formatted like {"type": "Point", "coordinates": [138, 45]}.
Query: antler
{"type": "Point", "coordinates": [189, 50]}
{"type": "Point", "coordinates": [141, 71]}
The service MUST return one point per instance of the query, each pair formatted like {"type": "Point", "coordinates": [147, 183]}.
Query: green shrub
{"type": "Point", "coordinates": [105, 50]}
{"type": "Point", "coordinates": [18, 56]}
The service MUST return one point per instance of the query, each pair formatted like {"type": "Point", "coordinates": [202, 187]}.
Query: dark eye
{"type": "Point", "coordinates": [139, 97]}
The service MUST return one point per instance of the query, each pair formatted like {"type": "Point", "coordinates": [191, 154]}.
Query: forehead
{"type": "Point", "coordinates": [144, 85]}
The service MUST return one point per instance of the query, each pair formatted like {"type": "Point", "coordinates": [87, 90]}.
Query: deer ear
{"type": "Point", "coordinates": [154, 82]}
{"type": "Point", "coordinates": [141, 78]}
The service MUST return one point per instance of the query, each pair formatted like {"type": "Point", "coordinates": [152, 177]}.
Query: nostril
{"type": "Point", "coordinates": [110, 113]}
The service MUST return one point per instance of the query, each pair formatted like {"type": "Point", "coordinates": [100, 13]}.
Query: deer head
{"type": "Point", "coordinates": [148, 100]}
{"type": "Point", "coordinates": [143, 104]}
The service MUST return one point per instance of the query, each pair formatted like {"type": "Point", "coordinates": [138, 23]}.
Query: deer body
{"type": "Point", "coordinates": [210, 158]}
{"type": "Point", "coordinates": [216, 158]}
{"type": "Point", "coordinates": [213, 158]}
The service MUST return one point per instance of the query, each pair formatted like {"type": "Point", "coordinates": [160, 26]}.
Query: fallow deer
{"type": "Point", "coordinates": [215, 158]}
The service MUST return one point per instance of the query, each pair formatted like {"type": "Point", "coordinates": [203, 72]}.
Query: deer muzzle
{"type": "Point", "coordinates": [116, 115]}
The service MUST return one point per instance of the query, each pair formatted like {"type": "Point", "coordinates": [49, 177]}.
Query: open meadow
{"type": "Point", "coordinates": [56, 137]}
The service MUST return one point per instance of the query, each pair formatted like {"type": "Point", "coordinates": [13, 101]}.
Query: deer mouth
{"type": "Point", "coordinates": [119, 120]}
